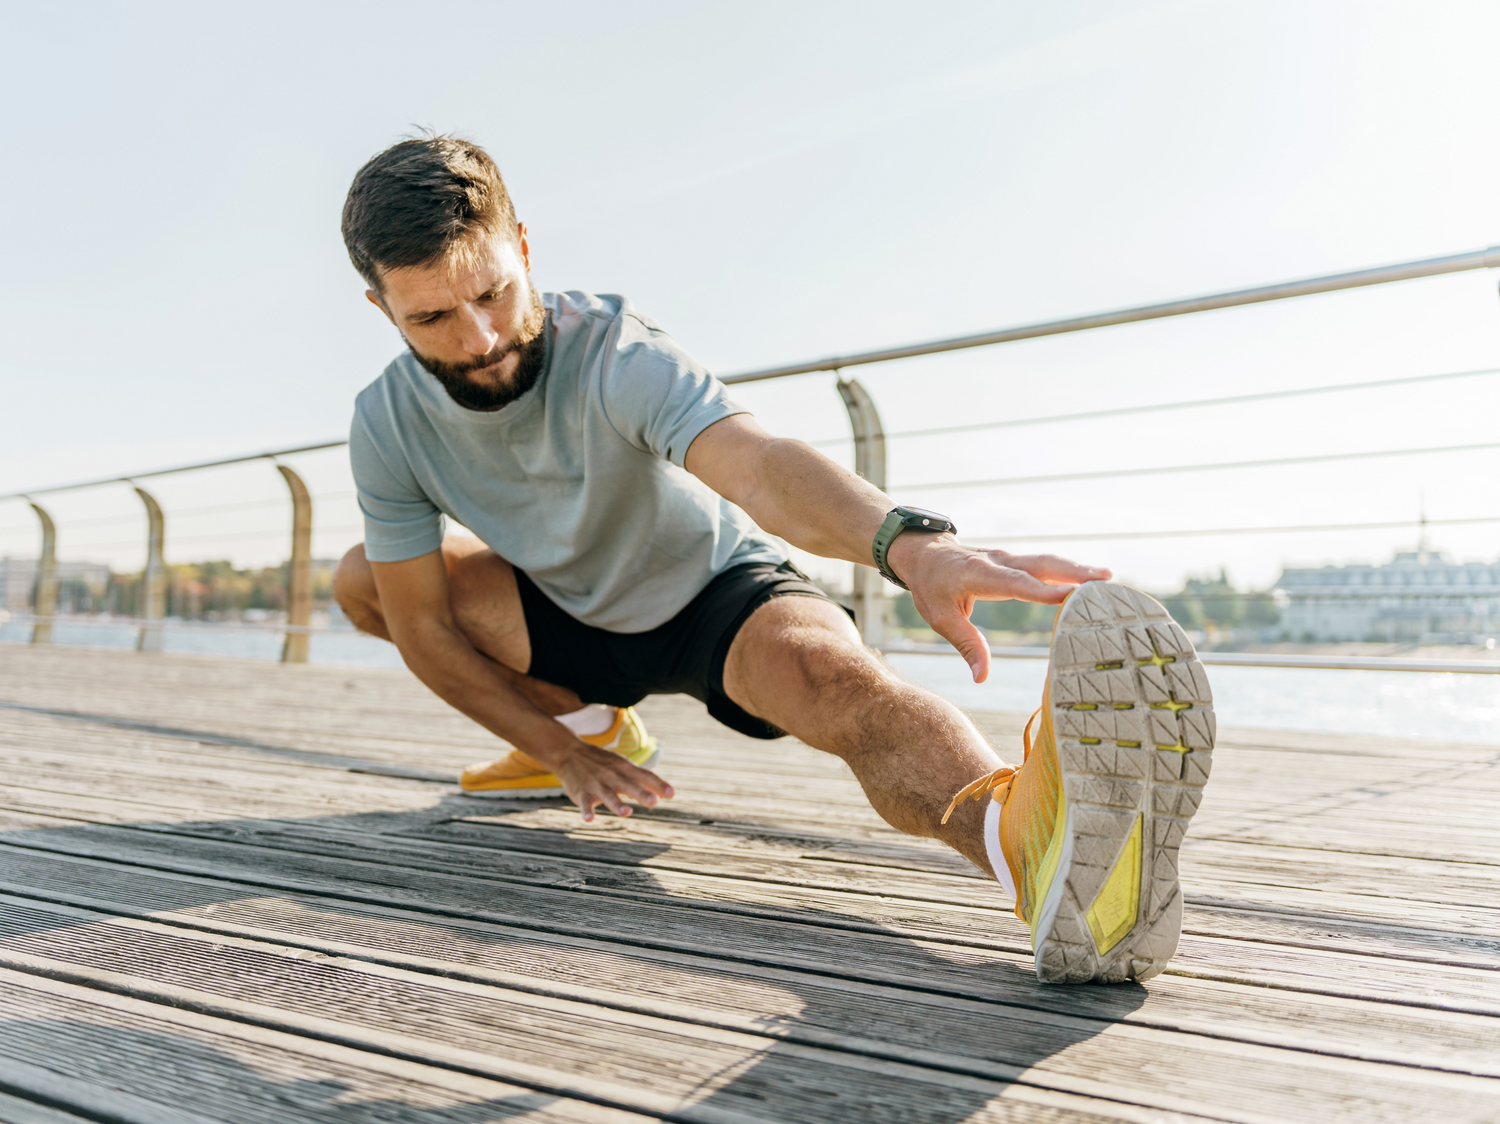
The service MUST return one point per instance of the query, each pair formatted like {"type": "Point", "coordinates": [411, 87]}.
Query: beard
{"type": "Point", "coordinates": [495, 393]}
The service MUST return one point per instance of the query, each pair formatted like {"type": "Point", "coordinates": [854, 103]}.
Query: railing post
{"type": "Point", "coordinates": [299, 572]}
{"type": "Point", "coordinates": [869, 462]}
{"type": "Point", "coordinates": [45, 601]}
{"type": "Point", "coordinates": [153, 599]}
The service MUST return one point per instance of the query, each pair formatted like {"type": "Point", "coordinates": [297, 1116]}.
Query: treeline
{"type": "Point", "coordinates": [1202, 603]}
{"type": "Point", "coordinates": [217, 590]}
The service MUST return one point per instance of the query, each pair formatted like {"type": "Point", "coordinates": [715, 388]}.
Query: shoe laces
{"type": "Point", "coordinates": [996, 785]}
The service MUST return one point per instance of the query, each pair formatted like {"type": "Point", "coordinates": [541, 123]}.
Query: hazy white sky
{"type": "Point", "coordinates": [772, 183]}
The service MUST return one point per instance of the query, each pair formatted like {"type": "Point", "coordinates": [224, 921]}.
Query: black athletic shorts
{"type": "Point", "coordinates": [685, 656]}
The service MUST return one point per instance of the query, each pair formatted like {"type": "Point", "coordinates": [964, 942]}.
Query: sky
{"type": "Point", "coordinates": [775, 183]}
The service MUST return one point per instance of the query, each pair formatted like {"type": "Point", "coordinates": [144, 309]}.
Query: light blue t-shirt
{"type": "Point", "coordinates": [579, 482]}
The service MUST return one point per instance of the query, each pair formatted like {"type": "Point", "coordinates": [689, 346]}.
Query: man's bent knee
{"type": "Point", "coordinates": [354, 590]}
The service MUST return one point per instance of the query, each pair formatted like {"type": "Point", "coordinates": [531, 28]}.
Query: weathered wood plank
{"type": "Point", "coordinates": [14, 1110]}
{"type": "Point", "coordinates": [805, 936]}
{"type": "Point", "coordinates": [120, 1058]}
{"type": "Point", "coordinates": [959, 907]}
{"type": "Point", "coordinates": [508, 1034]}
{"type": "Point", "coordinates": [882, 1017]}
{"type": "Point", "coordinates": [1341, 905]}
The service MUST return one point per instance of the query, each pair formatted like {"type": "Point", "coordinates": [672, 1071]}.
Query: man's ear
{"type": "Point", "coordinates": [374, 298]}
{"type": "Point", "coordinates": [525, 247]}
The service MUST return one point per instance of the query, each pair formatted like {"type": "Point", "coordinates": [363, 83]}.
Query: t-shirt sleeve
{"type": "Point", "coordinates": [659, 398]}
{"type": "Point", "coordinates": [401, 522]}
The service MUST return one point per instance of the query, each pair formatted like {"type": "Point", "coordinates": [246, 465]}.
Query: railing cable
{"type": "Point", "coordinates": [270, 455]}
{"type": "Point", "coordinates": [179, 513]}
{"type": "Point", "coordinates": [1193, 532]}
{"type": "Point", "coordinates": [1193, 403]}
{"type": "Point", "coordinates": [1159, 470]}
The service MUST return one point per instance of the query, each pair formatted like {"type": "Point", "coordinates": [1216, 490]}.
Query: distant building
{"type": "Point", "coordinates": [1417, 596]}
{"type": "Point", "coordinates": [79, 584]}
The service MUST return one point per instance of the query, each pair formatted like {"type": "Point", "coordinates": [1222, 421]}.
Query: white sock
{"type": "Point", "coordinates": [592, 719]}
{"type": "Point", "coordinates": [992, 848]}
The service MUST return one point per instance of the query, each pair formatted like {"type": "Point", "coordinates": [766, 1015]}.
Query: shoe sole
{"type": "Point", "coordinates": [1133, 720]}
{"type": "Point", "coordinates": [542, 793]}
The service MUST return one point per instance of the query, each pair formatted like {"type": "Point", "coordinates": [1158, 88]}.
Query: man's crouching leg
{"type": "Point", "coordinates": [799, 663]}
{"type": "Point", "coordinates": [486, 606]}
{"type": "Point", "coordinates": [485, 601]}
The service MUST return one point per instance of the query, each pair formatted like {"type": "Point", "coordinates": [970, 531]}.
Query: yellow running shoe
{"type": "Point", "coordinates": [517, 776]}
{"type": "Point", "coordinates": [1090, 824]}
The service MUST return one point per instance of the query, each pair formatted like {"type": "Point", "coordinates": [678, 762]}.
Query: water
{"type": "Point", "coordinates": [340, 647]}
{"type": "Point", "coordinates": [1390, 703]}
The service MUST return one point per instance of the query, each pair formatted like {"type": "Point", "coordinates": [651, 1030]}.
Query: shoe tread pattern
{"type": "Point", "coordinates": [1124, 679]}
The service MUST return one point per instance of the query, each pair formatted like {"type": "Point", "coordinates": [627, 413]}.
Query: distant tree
{"type": "Point", "coordinates": [216, 588]}
{"type": "Point", "coordinates": [993, 616]}
{"type": "Point", "coordinates": [1213, 602]}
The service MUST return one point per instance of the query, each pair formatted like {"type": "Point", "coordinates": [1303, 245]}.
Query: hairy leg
{"type": "Point", "coordinates": [486, 605]}
{"type": "Point", "coordinates": [798, 662]}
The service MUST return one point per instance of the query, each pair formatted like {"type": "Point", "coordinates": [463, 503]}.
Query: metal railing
{"type": "Point", "coordinates": [153, 579]}
{"type": "Point", "coordinates": [1380, 275]}
{"type": "Point", "coordinates": [1243, 659]}
{"type": "Point", "coordinates": [869, 439]}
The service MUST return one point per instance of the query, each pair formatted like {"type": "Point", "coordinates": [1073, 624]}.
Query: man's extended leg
{"type": "Point", "coordinates": [799, 664]}
{"type": "Point", "coordinates": [1088, 829]}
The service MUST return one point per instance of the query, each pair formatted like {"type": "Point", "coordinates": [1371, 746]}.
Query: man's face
{"type": "Point", "coordinates": [478, 328]}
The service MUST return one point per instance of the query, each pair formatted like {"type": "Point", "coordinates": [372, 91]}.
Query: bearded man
{"type": "Point", "coordinates": [627, 515]}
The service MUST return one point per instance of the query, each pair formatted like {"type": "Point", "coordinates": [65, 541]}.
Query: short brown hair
{"type": "Point", "coordinates": [420, 201]}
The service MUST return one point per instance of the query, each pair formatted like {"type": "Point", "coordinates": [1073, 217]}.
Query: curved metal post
{"type": "Point", "coordinates": [299, 572]}
{"type": "Point", "coordinates": [45, 601]}
{"type": "Point", "coordinates": [153, 602]}
{"type": "Point", "coordinates": [869, 461]}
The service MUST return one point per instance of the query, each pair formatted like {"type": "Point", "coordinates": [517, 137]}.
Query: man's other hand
{"type": "Point", "coordinates": [946, 578]}
{"type": "Point", "coordinates": [592, 777]}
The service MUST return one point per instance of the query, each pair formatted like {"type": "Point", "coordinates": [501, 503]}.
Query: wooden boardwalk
{"type": "Point", "coordinates": [241, 892]}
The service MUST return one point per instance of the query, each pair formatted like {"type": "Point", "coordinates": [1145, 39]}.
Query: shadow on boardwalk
{"type": "Point", "coordinates": [834, 1044]}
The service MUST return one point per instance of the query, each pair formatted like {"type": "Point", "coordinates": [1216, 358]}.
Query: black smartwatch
{"type": "Point", "coordinates": [905, 519]}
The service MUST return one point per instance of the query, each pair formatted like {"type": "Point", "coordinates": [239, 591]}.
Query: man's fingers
{"type": "Point", "coordinates": [618, 781]}
{"type": "Point", "coordinates": [1049, 567]}
{"type": "Point", "coordinates": [586, 804]}
{"type": "Point", "coordinates": [588, 801]}
{"type": "Point", "coordinates": [613, 802]}
{"type": "Point", "coordinates": [653, 783]}
{"type": "Point", "coordinates": [1004, 582]}
{"type": "Point", "coordinates": [640, 793]}
{"type": "Point", "coordinates": [959, 631]}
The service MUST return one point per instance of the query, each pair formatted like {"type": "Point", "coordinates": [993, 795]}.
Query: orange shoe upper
{"type": "Point", "coordinates": [1028, 799]}
{"type": "Point", "coordinates": [625, 736]}
{"type": "Point", "coordinates": [514, 766]}
{"type": "Point", "coordinates": [1028, 817]}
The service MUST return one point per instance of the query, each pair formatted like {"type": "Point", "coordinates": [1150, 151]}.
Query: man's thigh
{"type": "Point", "coordinates": [485, 601]}
{"type": "Point", "coordinates": [796, 663]}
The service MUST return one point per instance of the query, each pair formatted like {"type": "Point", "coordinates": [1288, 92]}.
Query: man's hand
{"type": "Point", "coordinates": [794, 491]}
{"type": "Point", "coordinates": [946, 579]}
{"type": "Point", "coordinates": [592, 776]}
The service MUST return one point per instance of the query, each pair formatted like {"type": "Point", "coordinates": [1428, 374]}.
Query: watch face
{"type": "Point", "coordinates": [920, 517]}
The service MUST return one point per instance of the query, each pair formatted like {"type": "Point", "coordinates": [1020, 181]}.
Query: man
{"type": "Point", "coordinates": [624, 509]}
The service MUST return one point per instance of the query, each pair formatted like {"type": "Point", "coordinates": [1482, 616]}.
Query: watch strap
{"type": "Point", "coordinates": [892, 527]}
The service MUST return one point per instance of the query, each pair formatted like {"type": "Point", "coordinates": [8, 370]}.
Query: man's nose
{"type": "Point", "coordinates": [477, 332]}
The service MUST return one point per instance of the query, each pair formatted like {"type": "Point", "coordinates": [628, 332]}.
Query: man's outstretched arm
{"type": "Point", "coordinates": [797, 493]}
{"type": "Point", "coordinates": [418, 615]}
